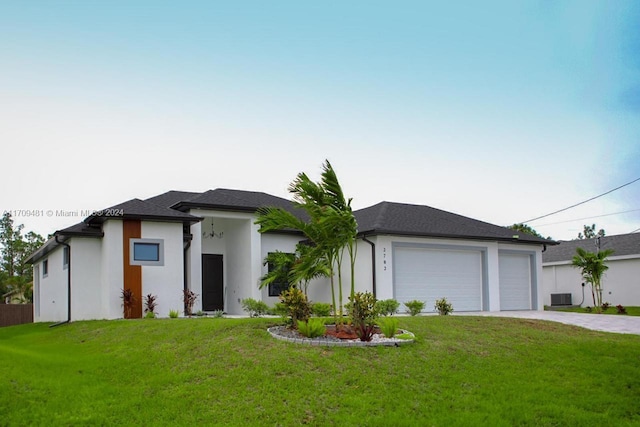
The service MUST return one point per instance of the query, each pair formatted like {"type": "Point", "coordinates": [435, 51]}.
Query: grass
{"type": "Point", "coordinates": [631, 311]}
{"type": "Point", "coordinates": [461, 371]}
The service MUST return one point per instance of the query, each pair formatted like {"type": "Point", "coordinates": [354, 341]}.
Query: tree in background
{"type": "Point", "coordinates": [590, 232]}
{"type": "Point", "coordinates": [524, 228]}
{"type": "Point", "coordinates": [592, 266]}
{"type": "Point", "coordinates": [15, 248]}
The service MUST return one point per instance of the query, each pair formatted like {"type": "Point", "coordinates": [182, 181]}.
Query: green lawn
{"type": "Point", "coordinates": [631, 311]}
{"type": "Point", "coordinates": [461, 371]}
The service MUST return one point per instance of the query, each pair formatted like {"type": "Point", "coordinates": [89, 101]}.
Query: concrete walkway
{"type": "Point", "coordinates": [596, 322]}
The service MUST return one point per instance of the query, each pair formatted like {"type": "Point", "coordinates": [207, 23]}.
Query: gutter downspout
{"type": "Point", "coordinates": [373, 264]}
{"type": "Point", "coordinates": [68, 285]}
{"type": "Point", "coordinates": [184, 267]}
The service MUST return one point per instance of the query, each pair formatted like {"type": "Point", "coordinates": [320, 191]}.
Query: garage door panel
{"type": "Point", "coordinates": [430, 274]}
{"type": "Point", "coordinates": [515, 282]}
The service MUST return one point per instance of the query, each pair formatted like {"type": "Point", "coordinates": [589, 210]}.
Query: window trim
{"type": "Point", "coordinates": [159, 242]}
{"type": "Point", "coordinates": [45, 268]}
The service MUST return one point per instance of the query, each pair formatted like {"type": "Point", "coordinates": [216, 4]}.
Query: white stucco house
{"type": "Point", "coordinates": [208, 243]}
{"type": "Point", "coordinates": [562, 283]}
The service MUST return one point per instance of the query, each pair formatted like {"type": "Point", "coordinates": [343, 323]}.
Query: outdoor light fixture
{"type": "Point", "coordinates": [212, 234]}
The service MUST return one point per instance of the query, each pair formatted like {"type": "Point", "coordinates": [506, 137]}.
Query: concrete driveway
{"type": "Point", "coordinates": [596, 322]}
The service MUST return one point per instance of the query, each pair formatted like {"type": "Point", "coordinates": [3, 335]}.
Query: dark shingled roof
{"type": "Point", "coordinates": [622, 244]}
{"type": "Point", "coordinates": [78, 230]}
{"type": "Point", "coordinates": [170, 198]}
{"type": "Point", "coordinates": [81, 229]}
{"type": "Point", "coordinates": [425, 221]}
{"type": "Point", "coordinates": [237, 200]}
{"type": "Point", "coordinates": [139, 209]}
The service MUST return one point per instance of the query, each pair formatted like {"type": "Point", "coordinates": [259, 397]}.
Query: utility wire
{"type": "Point", "coordinates": [588, 217]}
{"type": "Point", "coordinates": [581, 203]}
{"type": "Point", "coordinates": [637, 229]}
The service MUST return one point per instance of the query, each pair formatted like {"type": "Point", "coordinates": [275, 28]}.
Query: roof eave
{"type": "Point", "coordinates": [184, 206]}
{"type": "Point", "coordinates": [453, 236]}
{"type": "Point", "coordinates": [101, 219]}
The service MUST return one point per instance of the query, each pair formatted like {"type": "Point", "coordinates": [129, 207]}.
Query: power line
{"type": "Point", "coordinates": [588, 217]}
{"type": "Point", "coordinates": [581, 203]}
{"type": "Point", "coordinates": [637, 229]}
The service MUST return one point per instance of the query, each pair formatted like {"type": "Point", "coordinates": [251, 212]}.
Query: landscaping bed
{"type": "Point", "coordinates": [344, 338]}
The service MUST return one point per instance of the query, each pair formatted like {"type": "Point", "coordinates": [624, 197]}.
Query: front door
{"type": "Point", "coordinates": [212, 283]}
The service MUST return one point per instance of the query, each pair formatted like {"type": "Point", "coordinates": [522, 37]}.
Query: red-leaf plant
{"type": "Point", "coordinates": [189, 298]}
{"type": "Point", "coordinates": [128, 299]}
{"type": "Point", "coordinates": [363, 313]}
{"type": "Point", "coordinates": [150, 303]}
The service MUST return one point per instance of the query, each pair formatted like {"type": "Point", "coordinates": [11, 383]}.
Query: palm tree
{"type": "Point", "coordinates": [592, 266]}
{"type": "Point", "coordinates": [331, 228]}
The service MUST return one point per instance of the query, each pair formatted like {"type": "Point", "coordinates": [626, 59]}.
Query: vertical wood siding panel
{"type": "Point", "coordinates": [132, 229]}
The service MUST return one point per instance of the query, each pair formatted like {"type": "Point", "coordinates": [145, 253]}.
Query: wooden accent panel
{"type": "Point", "coordinates": [132, 229]}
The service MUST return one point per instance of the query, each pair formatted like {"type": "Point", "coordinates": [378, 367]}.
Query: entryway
{"type": "Point", "coordinates": [212, 282]}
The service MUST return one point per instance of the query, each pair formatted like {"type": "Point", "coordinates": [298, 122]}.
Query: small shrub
{"type": "Point", "coordinates": [150, 315]}
{"type": "Point", "coordinates": [279, 309]}
{"type": "Point", "coordinates": [218, 313]}
{"type": "Point", "coordinates": [254, 308]}
{"type": "Point", "coordinates": [200, 313]}
{"type": "Point", "coordinates": [387, 307]}
{"type": "Point", "coordinates": [588, 309]}
{"type": "Point", "coordinates": [620, 309]}
{"type": "Point", "coordinates": [297, 305]}
{"type": "Point", "coordinates": [321, 309]}
{"type": "Point", "coordinates": [388, 326]}
{"type": "Point", "coordinates": [312, 328]}
{"type": "Point", "coordinates": [605, 306]}
{"type": "Point", "coordinates": [405, 336]}
{"type": "Point", "coordinates": [173, 314]}
{"type": "Point", "coordinates": [150, 303]}
{"type": "Point", "coordinates": [443, 306]}
{"type": "Point", "coordinates": [363, 314]}
{"type": "Point", "coordinates": [128, 299]}
{"type": "Point", "coordinates": [414, 307]}
{"type": "Point", "coordinates": [189, 297]}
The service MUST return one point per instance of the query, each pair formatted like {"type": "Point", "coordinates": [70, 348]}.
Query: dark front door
{"type": "Point", "coordinates": [212, 283]}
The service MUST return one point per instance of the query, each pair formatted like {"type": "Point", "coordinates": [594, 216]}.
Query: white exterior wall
{"type": "Point", "coordinates": [166, 281]}
{"type": "Point", "coordinates": [620, 283]}
{"type": "Point", "coordinates": [86, 283]}
{"type": "Point", "coordinates": [112, 270]}
{"type": "Point", "coordinates": [52, 289]}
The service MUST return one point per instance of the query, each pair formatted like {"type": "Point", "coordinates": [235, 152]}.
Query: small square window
{"type": "Point", "coordinates": [146, 252]}
{"type": "Point", "coordinates": [45, 268]}
{"type": "Point", "coordinates": [275, 289]}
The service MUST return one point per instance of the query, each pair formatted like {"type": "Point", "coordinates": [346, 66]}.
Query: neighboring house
{"type": "Point", "coordinates": [620, 283]}
{"type": "Point", "coordinates": [209, 243]}
{"type": "Point", "coordinates": [14, 296]}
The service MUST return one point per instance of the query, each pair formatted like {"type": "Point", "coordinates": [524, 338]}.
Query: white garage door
{"type": "Point", "coordinates": [430, 274]}
{"type": "Point", "coordinates": [515, 282]}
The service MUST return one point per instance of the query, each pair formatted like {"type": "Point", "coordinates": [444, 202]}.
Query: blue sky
{"type": "Point", "coordinates": [501, 111]}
